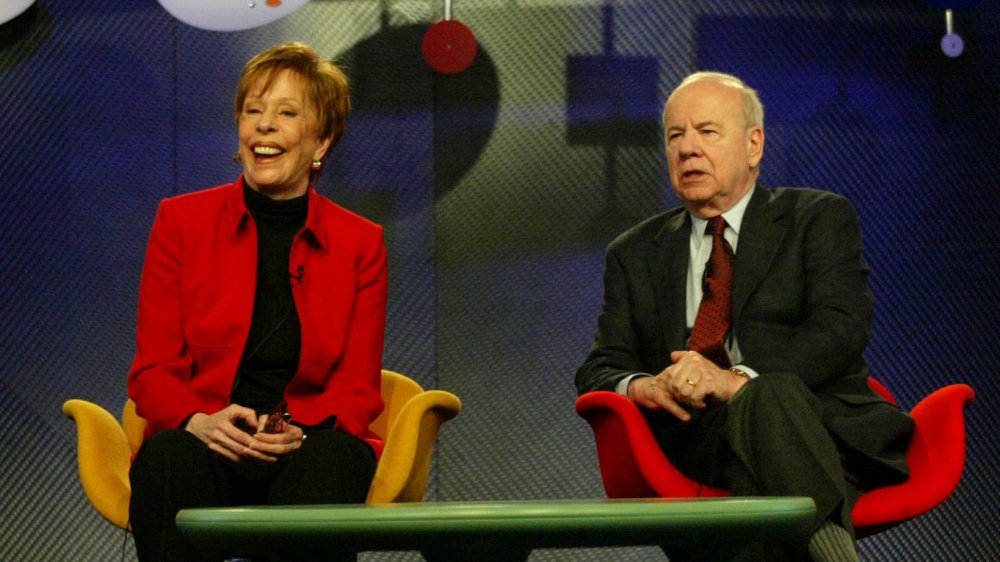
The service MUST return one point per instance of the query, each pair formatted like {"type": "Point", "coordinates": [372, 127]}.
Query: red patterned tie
{"type": "Point", "coordinates": [715, 312]}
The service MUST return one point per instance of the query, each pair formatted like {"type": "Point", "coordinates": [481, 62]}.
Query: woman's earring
{"type": "Point", "coordinates": [236, 157]}
{"type": "Point", "coordinates": [316, 165]}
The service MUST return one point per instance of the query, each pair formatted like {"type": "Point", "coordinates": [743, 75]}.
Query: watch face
{"type": "Point", "coordinates": [230, 15]}
{"type": "Point", "coordinates": [10, 9]}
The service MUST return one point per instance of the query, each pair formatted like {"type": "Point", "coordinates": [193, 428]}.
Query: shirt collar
{"type": "Point", "coordinates": [734, 218]}
{"type": "Point", "coordinates": [239, 214]}
{"type": "Point", "coordinates": [313, 228]}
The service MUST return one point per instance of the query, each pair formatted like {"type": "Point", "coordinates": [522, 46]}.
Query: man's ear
{"type": "Point", "coordinates": [755, 146]}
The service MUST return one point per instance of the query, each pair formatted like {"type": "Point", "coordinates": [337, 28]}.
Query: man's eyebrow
{"type": "Point", "coordinates": [699, 125]}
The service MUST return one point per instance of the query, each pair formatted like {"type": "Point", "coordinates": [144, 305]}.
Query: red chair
{"type": "Point", "coordinates": [634, 466]}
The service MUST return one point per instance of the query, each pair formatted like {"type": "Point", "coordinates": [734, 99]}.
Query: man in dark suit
{"type": "Point", "coordinates": [776, 402]}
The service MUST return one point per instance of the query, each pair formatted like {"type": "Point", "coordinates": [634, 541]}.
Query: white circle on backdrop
{"type": "Point", "coordinates": [230, 15]}
{"type": "Point", "coordinates": [10, 9]}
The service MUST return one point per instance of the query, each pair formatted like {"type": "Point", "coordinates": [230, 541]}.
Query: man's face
{"type": "Point", "coordinates": [711, 154]}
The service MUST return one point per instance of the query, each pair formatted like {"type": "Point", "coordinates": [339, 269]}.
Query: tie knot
{"type": "Point", "coordinates": [717, 225]}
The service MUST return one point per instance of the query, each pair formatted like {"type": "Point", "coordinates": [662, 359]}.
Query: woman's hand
{"type": "Point", "coordinates": [285, 440]}
{"type": "Point", "coordinates": [220, 433]}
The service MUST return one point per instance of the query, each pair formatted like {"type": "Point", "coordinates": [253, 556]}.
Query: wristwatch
{"type": "Point", "coordinates": [739, 372]}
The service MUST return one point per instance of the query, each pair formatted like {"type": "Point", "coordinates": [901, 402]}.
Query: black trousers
{"type": "Point", "coordinates": [174, 470]}
{"type": "Point", "coordinates": [770, 440]}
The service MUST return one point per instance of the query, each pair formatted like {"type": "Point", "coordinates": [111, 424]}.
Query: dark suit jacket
{"type": "Point", "coordinates": [801, 304]}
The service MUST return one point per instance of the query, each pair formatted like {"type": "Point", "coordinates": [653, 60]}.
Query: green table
{"type": "Point", "coordinates": [698, 529]}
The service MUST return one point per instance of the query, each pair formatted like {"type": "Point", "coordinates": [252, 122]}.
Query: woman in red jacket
{"type": "Point", "coordinates": [260, 298]}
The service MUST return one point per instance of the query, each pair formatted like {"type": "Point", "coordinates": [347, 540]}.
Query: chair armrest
{"type": "Point", "coordinates": [104, 459]}
{"type": "Point", "coordinates": [632, 463]}
{"type": "Point", "coordinates": [403, 470]}
{"type": "Point", "coordinates": [881, 390]}
{"type": "Point", "coordinates": [936, 457]}
{"type": "Point", "coordinates": [133, 426]}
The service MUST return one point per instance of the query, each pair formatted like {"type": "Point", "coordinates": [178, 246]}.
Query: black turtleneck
{"type": "Point", "coordinates": [271, 355]}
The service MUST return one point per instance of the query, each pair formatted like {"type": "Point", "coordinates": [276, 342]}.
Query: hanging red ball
{"type": "Point", "coordinates": [449, 46]}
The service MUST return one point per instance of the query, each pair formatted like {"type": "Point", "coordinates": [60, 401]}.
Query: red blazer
{"type": "Point", "coordinates": [196, 300]}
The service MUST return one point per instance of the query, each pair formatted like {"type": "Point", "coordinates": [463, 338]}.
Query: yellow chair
{"type": "Point", "coordinates": [409, 424]}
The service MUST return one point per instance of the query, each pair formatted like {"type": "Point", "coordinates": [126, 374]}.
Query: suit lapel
{"type": "Point", "coordinates": [760, 237]}
{"type": "Point", "coordinates": [668, 265]}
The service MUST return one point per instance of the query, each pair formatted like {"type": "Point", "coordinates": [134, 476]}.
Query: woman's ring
{"type": "Point", "coordinates": [691, 382]}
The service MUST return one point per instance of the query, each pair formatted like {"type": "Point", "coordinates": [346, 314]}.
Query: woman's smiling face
{"type": "Point", "coordinates": [279, 136]}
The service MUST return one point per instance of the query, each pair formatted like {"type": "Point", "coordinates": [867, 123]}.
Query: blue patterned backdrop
{"type": "Point", "coordinates": [499, 188]}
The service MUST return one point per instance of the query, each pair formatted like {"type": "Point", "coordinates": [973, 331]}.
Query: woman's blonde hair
{"type": "Point", "coordinates": [326, 84]}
